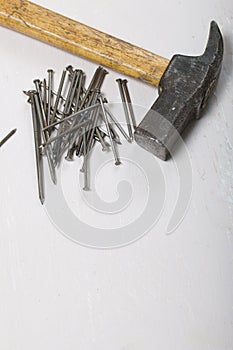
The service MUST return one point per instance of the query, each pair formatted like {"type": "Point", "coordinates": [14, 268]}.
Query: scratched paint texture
{"type": "Point", "coordinates": [165, 292]}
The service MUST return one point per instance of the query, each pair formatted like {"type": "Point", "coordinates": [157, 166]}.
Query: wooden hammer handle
{"type": "Point", "coordinates": [77, 38]}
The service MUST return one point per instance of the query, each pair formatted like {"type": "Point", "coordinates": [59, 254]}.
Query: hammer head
{"type": "Point", "coordinates": [184, 90]}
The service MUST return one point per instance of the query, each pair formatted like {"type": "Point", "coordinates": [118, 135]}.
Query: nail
{"type": "Point", "coordinates": [50, 83]}
{"type": "Point", "coordinates": [91, 118]}
{"type": "Point", "coordinates": [38, 154]}
{"type": "Point", "coordinates": [37, 83]}
{"type": "Point", "coordinates": [127, 117]}
{"type": "Point", "coordinates": [47, 149]}
{"type": "Point", "coordinates": [45, 95]}
{"type": "Point", "coordinates": [73, 138]}
{"type": "Point", "coordinates": [78, 146]}
{"type": "Point", "coordinates": [40, 108]}
{"type": "Point", "coordinates": [104, 144]}
{"type": "Point", "coordinates": [81, 113]}
{"type": "Point", "coordinates": [101, 78]}
{"type": "Point", "coordinates": [117, 161]}
{"type": "Point", "coordinates": [60, 87]}
{"type": "Point", "coordinates": [115, 135]}
{"type": "Point", "coordinates": [71, 133]}
{"type": "Point", "coordinates": [91, 86]}
{"type": "Point", "coordinates": [85, 114]}
{"type": "Point", "coordinates": [75, 84]}
{"type": "Point", "coordinates": [94, 94]}
{"type": "Point", "coordinates": [85, 165]}
{"type": "Point", "coordinates": [79, 90]}
{"type": "Point", "coordinates": [118, 125]}
{"type": "Point", "coordinates": [66, 132]}
{"type": "Point", "coordinates": [7, 137]}
{"type": "Point", "coordinates": [95, 119]}
{"type": "Point", "coordinates": [70, 154]}
{"type": "Point", "coordinates": [70, 69]}
{"type": "Point", "coordinates": [129, 102]}
{"type": "Point", "coordinates": [57, 146]}
{"type": "Point", "coordinates": [72, 87]}
{"type": "Point", "coordinates": [54, 93]}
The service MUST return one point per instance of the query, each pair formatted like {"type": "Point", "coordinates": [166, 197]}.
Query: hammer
{"type": "Point", "coordinates": [185, 82]}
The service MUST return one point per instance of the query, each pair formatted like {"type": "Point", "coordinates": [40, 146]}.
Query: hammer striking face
{"type": "Point", "coordinates": [183, 93]}
{"type": "Point", "coordinates": [185, 83]}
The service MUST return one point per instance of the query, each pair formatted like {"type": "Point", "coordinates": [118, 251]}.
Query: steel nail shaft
{"type": "Point", "coordinates": [117, 161]}
{"type": "Point", "coordinates": [7, 137]}
{"type": "Point", "coordinates": [38, 154]}
{"type": "Point", "coordinates": [123, 99]}
{"type": "Point", "coordinates": [129, 102]}
{"type": "Point", "coordinates": [48, 149]}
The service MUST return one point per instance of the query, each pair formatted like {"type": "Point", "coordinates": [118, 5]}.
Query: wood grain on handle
{"type": "Point", "coordinates": [77, 38]}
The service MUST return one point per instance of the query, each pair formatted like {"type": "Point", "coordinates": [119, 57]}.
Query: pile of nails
{"type": "Point", "coordinates": [72, 119]}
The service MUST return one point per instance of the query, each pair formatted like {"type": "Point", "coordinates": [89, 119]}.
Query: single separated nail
{"type": "Point", "coordinates": [7, 137]}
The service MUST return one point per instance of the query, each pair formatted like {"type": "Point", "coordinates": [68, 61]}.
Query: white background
{"type": "Point", "coordinates": [163, 291]}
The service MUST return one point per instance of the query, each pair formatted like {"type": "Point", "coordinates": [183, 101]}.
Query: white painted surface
{"type": "Point", "coordinates": [162, 292]}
